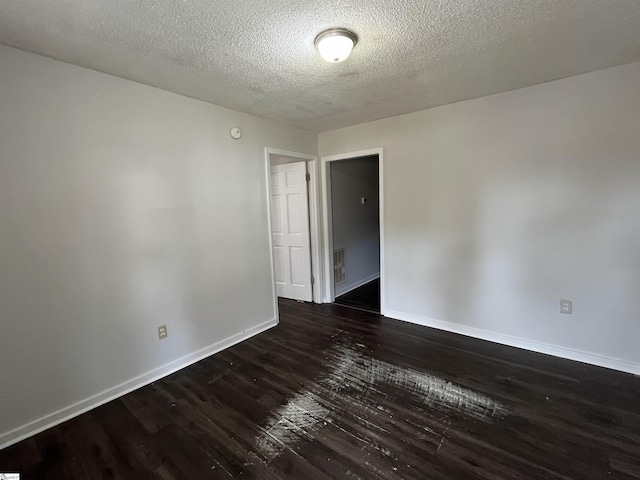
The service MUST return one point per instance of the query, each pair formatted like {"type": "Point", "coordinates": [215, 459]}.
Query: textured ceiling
{"type": "Point", "coordinates": [257, 56]}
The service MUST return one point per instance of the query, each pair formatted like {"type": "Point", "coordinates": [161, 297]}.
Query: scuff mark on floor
{"type": "Point", "coordinates": [357, 376]}
{"type": "Point", "coordinates": [298, 418]}
{"type": "Point", "coordinates": [355, 371]}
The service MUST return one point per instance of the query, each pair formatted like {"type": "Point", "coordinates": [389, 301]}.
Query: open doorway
{"type": "Point", "coordinates": [293, 219]}
{"type": "Point", "coordinates": [356, 232]}
{"type": "Point", "coordinates": [352, 196]}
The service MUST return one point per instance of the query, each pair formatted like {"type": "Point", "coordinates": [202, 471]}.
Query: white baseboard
{"type": "Point", "coordinates": [568, 353]}
{"type": "Point", "coordinates": [64, 414]}
{"type": "Point", "coordinates": [352, 286]}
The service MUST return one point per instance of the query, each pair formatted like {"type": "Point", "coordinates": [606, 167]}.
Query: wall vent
{"type": "Point", "coordinates": [339, 266]}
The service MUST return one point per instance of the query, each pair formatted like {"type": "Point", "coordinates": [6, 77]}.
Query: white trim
{"type": "Point", "coordinates": [383, 265]}
{"type": "Point", "coordinates": [314, 229]}
{"type": "Point", "coordinates": [518, 342]}
{"type": "Point", "coordinates": [267, 176]}
{"type": "Point", "coordinates": [327, 234]}
{"type": "Point", "coordinates": [78, 408]}
{"type": "Point", "coordinates": [354, 285]}
{"type": "Point", "coordinates": [327, 238]}
{"type": "Point", "coordinates": [314, 219]}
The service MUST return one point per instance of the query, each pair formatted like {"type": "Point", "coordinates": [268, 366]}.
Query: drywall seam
{"type": "Point", "coordinates": [354, 285]}
{"type": "Point", "coordinates": [78, 408]}
{"type": "Point", "coordinates": [518, 342]}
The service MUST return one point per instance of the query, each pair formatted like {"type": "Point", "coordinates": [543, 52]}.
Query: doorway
{"type": "Point", "coordinates": [356, 232]}
{"type": "Point", "coordinates": [293, 220]}
{"type": "Point", "coordinates": [353, 218]}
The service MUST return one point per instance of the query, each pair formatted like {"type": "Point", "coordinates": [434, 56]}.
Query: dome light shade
{"type": "Point", "coordinates": [335, 45]}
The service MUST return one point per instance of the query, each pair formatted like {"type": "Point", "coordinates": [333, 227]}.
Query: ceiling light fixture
{"type": "Point", "coordinates": [335, 45]}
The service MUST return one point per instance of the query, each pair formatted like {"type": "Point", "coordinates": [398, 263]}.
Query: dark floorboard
{"type": "Point", "coordinates": [366, 297]}
{"type": "Point", "coordinates": [337, 393]}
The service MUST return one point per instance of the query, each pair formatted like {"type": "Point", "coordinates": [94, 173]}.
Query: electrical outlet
{"type": "Point", "coordinates": [566, 306]}
{"type": "Point", "coordinates": [162, 332]}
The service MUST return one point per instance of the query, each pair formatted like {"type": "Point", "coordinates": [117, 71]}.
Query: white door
{"type": "Point", "coordinates": [290, 230]}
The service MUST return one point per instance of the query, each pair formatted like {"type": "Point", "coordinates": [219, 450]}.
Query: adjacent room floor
{"type": "Point", "coordinates": [338, 393]}
{"type": "Point", "coordinates": [366, 297]}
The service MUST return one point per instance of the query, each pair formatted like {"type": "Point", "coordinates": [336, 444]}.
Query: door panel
{"type": "Point", "coordinates": [276, 217]}
{"type": "Point", "coordinates": [294, 216]}
{"type": "Point", "coordinates": [297, 266]}
{"type": "Point", "coordinates": [290, 231]}
{"type": "Point", "coordinates": [295, 178]}
{"type": "Point", "coordinates": [279, 261]}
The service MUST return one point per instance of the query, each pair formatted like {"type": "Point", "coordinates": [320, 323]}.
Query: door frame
{"type": "Point", "coordinates": [327, 230]}
{"type": "Point", "coordinates": [314, 219]}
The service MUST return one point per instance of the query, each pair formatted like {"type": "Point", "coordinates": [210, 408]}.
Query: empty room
{"type": "Point", "coordinates": [320, 240]}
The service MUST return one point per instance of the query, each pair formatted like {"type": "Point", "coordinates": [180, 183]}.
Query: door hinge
{"type": "Point", "coordinates": [313, 280]}
{"type": "Point", "coordinates": [308, 177]}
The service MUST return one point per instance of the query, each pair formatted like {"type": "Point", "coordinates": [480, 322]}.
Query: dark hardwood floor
{"type": "Point", "coordinates": [337, 393]}
{"type": "Point", "coordinates": [366, 297]}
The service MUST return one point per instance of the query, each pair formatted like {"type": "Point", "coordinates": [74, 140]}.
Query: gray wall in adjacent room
{"type": "Point", "coordinates": [355, 225]}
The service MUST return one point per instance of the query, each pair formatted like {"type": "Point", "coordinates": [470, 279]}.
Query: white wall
{"type": "Point", "coordinates": [355, 225]}
{"type": "Point", "coordinates": [496, 208]}
{"type": "Point", "coordinates": [123, 207]}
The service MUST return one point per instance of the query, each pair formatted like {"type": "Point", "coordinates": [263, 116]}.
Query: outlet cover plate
{"type": "Point", "coordinates": [162, 332]}
{"type": "Point", "coordinates": [566, 306]}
